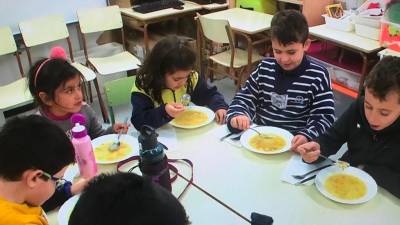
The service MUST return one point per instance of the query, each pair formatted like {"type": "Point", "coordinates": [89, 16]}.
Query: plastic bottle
{"type": "Point", "coordinates": [83, 147]}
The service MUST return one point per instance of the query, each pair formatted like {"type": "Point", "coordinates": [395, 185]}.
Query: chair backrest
{"type": "Point", "coordinates": [7, 41]}
{"type": "Point", "coordinates": [43, 30]}
{"type": "Point", "coordinates": [118, 92]}
{"type": "Point", "coordinates": [99, 19]}
{"type": "Point", "coordinates": [214, 29]}
{"type": "Point", "coordinates": [7, 46]}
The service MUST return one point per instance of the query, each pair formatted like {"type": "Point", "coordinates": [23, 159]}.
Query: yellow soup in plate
{"type": "Point", "coordinates": [267, 142]}
{"type": "Point", "coordinates": [345, 186]}
{"type": "Point", "coordinates": [102, 153]}
{"type": "Point", "coordinates": [191, 118]}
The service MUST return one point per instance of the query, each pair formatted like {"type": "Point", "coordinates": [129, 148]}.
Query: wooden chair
{"type": "Point", "coordinates": [48, 29]}
{"type": "Point", "coordinates": [235, 61]}
{"type": "Point", "coordinates": [16, 93]}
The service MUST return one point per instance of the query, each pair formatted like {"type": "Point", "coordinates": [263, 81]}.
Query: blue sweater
{"type": "Point", "coordinates": [300, 101]}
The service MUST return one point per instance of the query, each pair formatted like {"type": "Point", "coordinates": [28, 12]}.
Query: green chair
{"type": "Point", "coordinates": [118, 92]}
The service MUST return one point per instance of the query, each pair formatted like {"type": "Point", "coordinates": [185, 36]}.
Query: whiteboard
{"type": "Point", "coordinates": [14, 11]}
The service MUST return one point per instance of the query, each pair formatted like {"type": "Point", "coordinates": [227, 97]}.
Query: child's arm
{"type": "Point", "coordinates": [322, 109]}
{"type": "Point", "coordinates": [245, 102]}
{"type": "Point", "coordinates": [143, 112]}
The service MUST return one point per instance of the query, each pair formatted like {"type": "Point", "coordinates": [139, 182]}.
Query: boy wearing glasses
{"type": "Point", "coordinates": [34, 156]}
{"type": "Point", "coordinates": [289, 91]}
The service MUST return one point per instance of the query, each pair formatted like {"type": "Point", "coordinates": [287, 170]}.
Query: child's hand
{"type": "Point", "coordinates": [220, 116]}
{"type": "Point", "coordinates": [297, 141]}
{"type": "Point", "coordinates": [174, 109]}
{"type": "Point", "coordinates": [78, 186]}
{"type": "Point", "coordinates": [123, 127]}
{"type": "Point", "coordinates": [309, 151]}
{"type": "Point", "coordinates": [240, 122]}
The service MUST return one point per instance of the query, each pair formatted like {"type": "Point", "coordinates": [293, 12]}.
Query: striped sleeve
{"type": "Point", "coordinates": [322, 110]}
{"type": "Point", "coordinates": [244, 102]}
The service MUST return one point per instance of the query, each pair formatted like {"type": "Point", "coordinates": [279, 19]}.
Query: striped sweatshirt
{"type": "Point", "coordinates": [300, 101]}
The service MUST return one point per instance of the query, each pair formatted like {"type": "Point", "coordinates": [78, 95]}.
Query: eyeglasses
{"type": "Point", "coordinates": [58, 181]}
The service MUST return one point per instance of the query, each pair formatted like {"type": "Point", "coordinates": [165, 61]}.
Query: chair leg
{"type": "Point", "coordinates": [111, 114]}
{"type": "Point", "coordinates": [90, 91]}
{"type": "Point", "coordinates": [102, 106]}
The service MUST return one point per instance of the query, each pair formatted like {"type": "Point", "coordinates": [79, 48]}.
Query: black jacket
{"type": "Point", "coordinates": [377, 151]}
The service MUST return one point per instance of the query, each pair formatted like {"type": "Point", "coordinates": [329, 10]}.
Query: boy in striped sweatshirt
{"type": "Point", "coordinates": [289, 91]}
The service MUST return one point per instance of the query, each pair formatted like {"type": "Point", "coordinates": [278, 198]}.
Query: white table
{"type": "Point", "coordinates": [388, 52]}
{"type": "Point", "coordinates": [250, 182]}
{"type": "Point", "coordinates": [348, 40]}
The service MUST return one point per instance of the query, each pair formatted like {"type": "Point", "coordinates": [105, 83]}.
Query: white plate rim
{"type": "Point", "coordinates": [110, 137]}
{"type": "Point", "coordinates": [206, 110]}
{"type": "Point", "coordinates": [268, 129]}
{"type": "Point", "coordinates": [372, 187]}
{"type": "Point", "coordinates": [64, 211]}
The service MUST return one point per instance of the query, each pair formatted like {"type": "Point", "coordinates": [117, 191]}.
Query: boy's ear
{"type": "Point", "coordinates": [45, 98]}
{"type": "Point", "coordinates": [307, 44]}
{"type": "Point", "coordinates": [31, 177]}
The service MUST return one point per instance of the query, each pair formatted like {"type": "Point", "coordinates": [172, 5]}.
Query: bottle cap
{"type": "Point", "coordinates": [79, 130]}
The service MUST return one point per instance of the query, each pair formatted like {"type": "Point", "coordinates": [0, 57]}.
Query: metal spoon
{"type": "Point", "coordinates": [115, 146]}
{"type": "Point", "coordinates": [259, 133]}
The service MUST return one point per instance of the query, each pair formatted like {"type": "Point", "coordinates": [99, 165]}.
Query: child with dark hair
{"type": "Point", "coordinates": [289, 91]}
{"type": "Point", "coordinates": [166, 75]}
{"type": "Point", "coordinates": [56, 86]}
{"type": "Point", "coordinates": [34, 156]}
{"type": "Point", "coordinates": [371, 128]}
{"type": "Point", "coordinates": [127, 199]}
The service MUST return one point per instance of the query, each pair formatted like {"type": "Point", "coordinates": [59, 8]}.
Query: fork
{"type": "Point", "coordinates": [310, 172]}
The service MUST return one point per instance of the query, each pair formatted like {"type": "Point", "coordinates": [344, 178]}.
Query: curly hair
{"type": "Point", "coordinates": [168, 56]}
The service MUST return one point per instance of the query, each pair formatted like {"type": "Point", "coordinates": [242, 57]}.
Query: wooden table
{"type": "Point", "coordinates": [144, 19]}
{"type": "Point", "coordinates": [350, 41]}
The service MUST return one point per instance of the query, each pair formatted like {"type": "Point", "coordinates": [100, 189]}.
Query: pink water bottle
{"type": "Point", "coordinates": [83, 147]}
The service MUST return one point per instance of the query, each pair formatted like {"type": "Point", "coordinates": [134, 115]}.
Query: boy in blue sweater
{"type": "Point", "coordinates": [289, 91]}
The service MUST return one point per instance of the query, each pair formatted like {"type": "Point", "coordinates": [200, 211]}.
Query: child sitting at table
{"type": "Point", "coordinates": [289, 91]}
{"type": "Point", "coordinates": [56, 86]}
{"type": "Point", "coordinates": [124, 199]}
{"type": "Point", "coordinates": [34, 156]}
{"type": "Point", "coordinates": [371, 128]}
{"type": "Point", "coordinates": [166, 75]}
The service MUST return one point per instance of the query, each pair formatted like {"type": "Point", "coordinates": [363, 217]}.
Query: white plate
{"type": "Point", "coordinates": [209, 112]}
{"type": "Point", "coordinates": [324, 174]}
{"type": "Point", "coordinates": [112, 137]}
{"type": "Point", "coordinates": [244, 139]}
{"type": "Point", "coordinates": [66, 209]}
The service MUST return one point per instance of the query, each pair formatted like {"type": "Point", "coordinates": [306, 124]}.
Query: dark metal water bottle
{"type": "Point", "coordinates": [153, 161]}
